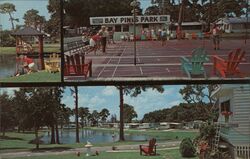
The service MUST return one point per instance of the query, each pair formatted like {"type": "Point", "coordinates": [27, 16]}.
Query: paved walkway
{"type": "Point", "coordinates": [121, 148]}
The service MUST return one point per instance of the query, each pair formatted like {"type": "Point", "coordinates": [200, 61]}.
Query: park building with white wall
{"type": "Point", "coordinates": [234, 24]}
{"type": "Point", "coordinates": [124, 25]}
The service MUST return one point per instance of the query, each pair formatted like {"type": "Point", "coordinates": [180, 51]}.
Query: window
{"type": "Point", "coordinates": [118, 28]}
{"type": "Point", "coordinates": [125, 28]}
{"type": "Point", "coordinates": [192, 27]}
{"type": "Point", "coordinates": [225, 106]}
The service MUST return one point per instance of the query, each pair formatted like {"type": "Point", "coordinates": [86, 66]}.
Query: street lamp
{"type": "Point", "coordinates": [134, 4]}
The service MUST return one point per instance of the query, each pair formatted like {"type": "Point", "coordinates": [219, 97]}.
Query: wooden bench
{"type": "Point", "coordinates": [230, 66]}
{"type": "Point", "coordinates": [75, 62]}
{"type": "Point", "coordinates": [194, 66]}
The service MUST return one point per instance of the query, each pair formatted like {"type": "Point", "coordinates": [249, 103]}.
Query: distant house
{"type": "Point", "coordinates": [146, 125]}
{"type": "Point", "coordinates": [173, 125]}
{"type": "Point", "coordinates": [131, 125]}
{"type": "Point", "coordinates": [196, 124]}
{"type": "Point", "coordinates": [236, 128]}
{"type": "Point", "coordinates": [69, 126]}
{"type": "Point", "coordinates": [164, 126]}
{"type": "Point", "coordinates": [234, 25]}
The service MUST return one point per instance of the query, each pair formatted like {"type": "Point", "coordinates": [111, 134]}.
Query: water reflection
{"type": "Point", "coordinates": [93, 136]}
{"type": "Point", "coordinates": [7, 65]}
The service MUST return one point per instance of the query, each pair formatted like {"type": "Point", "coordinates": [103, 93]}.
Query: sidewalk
{"type": "Point", "coordinates": [121, 148]}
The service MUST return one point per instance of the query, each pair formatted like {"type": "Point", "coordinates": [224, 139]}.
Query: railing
{"type": "Point", "coordinates": [242, 151]}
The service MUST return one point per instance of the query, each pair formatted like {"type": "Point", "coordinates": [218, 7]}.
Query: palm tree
{"type": "Point", "coordinates": [133, 91]}
{"type": "Point", "coordinates": [9, 8]}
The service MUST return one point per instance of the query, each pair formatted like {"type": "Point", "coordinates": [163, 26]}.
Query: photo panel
{"type": "Point", "coordinates": [30, 41]}
{"type": "Point", "coordinates": [134, 42]}
{"type": "Point", "coordinates": [115, 120]}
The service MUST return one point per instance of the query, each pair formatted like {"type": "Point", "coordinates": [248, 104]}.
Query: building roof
{"type": "Point", "coordinates": [235, 20]}
{"type": "Point", "coordinates": [27, 31]}
{"type": "Point", "coordinates": [189, 23]}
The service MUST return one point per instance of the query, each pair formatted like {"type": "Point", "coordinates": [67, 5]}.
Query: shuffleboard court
{"type": "Point", "coordinates": [156, 61]}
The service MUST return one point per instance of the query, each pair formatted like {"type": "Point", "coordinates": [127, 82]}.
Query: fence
{"type": "Point", "coordinates": [242, 151]}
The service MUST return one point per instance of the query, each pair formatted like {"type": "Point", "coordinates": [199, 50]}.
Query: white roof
{"type": "Point", "coordinates": [233, 20]}
{"type": "Point", "coordinates": [189, 23]}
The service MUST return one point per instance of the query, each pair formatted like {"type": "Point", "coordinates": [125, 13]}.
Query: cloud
{"type": "Point", "coordinates": [9, 91]}
{"type": "Point", "coordinates": [173, 103]}
{"type": "Point", "coordinates": [97, 98]}
{"type": "Point", "coordinates": [152, 100]}
{"type": "Point", "coordinates": [109, 91]}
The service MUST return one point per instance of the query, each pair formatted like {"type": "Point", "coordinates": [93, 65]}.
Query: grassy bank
{"type": "Point", "coordinates": [35, 77]}
{"type": "Point", "coordinates": [47, 48]}
{"type": "Point", "coordinates": [162, 154]}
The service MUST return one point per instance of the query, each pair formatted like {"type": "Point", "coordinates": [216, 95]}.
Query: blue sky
{"type": "Point", "coordinates": [41, 5]}
{"type": "Point", "coordinates": [21, 7]}
{"type": "Point", "coordinates": [99, 97]}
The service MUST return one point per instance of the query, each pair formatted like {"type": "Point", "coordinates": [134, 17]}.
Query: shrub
{"type": "Point", "coordinates": [187, 148]}
{"type": "Point", "coordinates": [207, 131]}
{"type": "Point", "coordinates": [6, 40]}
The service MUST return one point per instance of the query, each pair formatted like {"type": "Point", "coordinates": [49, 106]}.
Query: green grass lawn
{"type": "Point", "coordinates": [47, 48]}
{"type": "Point", "coordinates": [162, 154]}
{"type": "Point", "coordinates": [35, 77]}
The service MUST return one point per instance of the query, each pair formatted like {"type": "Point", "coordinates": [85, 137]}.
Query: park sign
{"type": "Point", "coordinates": [160, 19]}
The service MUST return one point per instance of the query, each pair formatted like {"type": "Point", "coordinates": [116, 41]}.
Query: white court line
{"type": "Point", "coordinates": [162, 56]}
{"type": "Point", "coordinates": [104, 66]}
{"type": "Point", "coordinates": [118, 62]}
{"type": "Point", "coordinates": [148, 64]}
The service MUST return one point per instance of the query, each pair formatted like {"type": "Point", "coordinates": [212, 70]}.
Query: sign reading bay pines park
{"type": "Point", "coordinates": [129, 19]}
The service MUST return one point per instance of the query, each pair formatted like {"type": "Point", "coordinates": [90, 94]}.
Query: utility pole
{"type": "Point", "coordinates": [134, 35]}
{"type": "Point", "coordinates": [163, 7]}
{"type": "Point", "coordinates": [247, 10]}
{"type": "Point", "coordinates": [134, 4]}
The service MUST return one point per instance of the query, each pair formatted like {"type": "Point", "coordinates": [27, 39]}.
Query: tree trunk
{"type": "Point", "coordinates": [57, 134]}
{"type": "Point", "coordinates": [52, 141]}
{"type": "Point", "coordinates": [76, 115]}
{"type": "Point", "coordinates": [37, 138]}
{"type": "Point", "coordinates": [121, 138]}
{"type": "Point", "coordinates": [61, 129]}
{"type": "Point", "coordinates": [18, 129]}
{"type": "Point", "coordinates": [11, 20]}
{"type": "Point", "coordinates": [3, 131]}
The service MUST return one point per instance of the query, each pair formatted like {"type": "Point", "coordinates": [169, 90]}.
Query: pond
{"type": "Point", "coordinates": [8, 65]}
{"type": "Point", "coordinates": [93, 136]}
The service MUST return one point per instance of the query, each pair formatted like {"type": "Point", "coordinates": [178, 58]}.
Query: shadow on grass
{"type": "Point", "coordinates": [12, 148]}
{"type": "Point", "coordinates": [51, 149]}
{"type": "Point", "coordinates": [10, 138]}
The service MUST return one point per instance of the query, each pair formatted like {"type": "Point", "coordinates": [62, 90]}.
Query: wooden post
{"type": "Point", "coordinates": [76, 115]}
{"type": "Point", "coordinates": [17, 47]}
{"type": "Point", "coordinates": [121, 136]}
{"type": "Point", "coordinates": [41, 57]}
